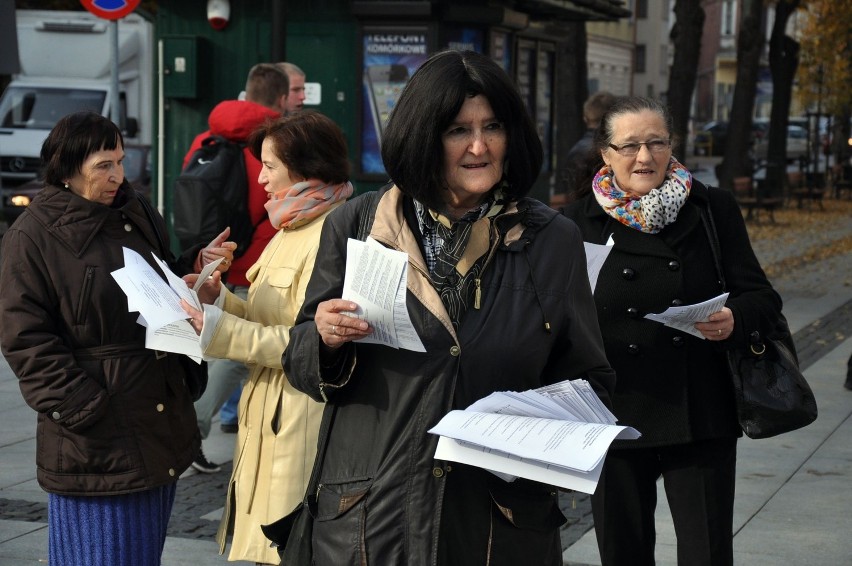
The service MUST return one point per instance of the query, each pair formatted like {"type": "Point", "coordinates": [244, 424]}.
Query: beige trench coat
{"type": "Point", "coordinates": [278, 425]}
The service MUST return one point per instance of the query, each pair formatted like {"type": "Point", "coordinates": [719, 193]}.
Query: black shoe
{"type": "Point", "coordinates": [203, 465]}
{"type": "Point", "coordinates": [848, 384]}
{"type": "Point", "coordinates": [229, 428]}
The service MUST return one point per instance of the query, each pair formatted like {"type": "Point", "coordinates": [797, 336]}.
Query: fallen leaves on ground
{"type": "Point", "coordinates": [812, 225]}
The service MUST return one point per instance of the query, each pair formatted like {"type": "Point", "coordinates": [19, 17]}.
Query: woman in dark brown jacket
{"type": "Point", "coordinates": [116, 425]}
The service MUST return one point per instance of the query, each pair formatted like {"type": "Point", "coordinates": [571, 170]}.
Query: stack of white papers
{"type": "Point", "coordinates": [376, 279]}
{"type": "Point", "coordinates": [558, 434]}
{"type": "Point", "coordinates": [158, 302]}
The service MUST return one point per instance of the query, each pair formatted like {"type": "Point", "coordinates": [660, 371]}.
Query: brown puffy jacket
{"type": "Point", "coordinates": [113, 417]}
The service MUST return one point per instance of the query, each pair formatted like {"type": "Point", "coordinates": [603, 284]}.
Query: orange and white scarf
{"type": "Point", "coordinates": [304, 201]}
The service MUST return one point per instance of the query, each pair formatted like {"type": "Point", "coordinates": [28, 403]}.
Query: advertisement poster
{"type": "Point", "coordinates": [464, 39]}
{"type": "Point", "coordinates": [390, 57]}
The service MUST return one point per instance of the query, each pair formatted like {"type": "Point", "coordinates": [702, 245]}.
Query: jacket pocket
{"type": "Point", "coordinates": [277, 295]}
{"type": "Point", "coordinates": [525, 519]}
{"type": "Point", "coordinates": [340, 520]}
{"type": "Point", "coordinates": [85, 295]}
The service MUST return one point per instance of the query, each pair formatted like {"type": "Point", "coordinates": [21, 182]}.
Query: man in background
{"type": "Point", "coordinates": [581, 159]}
{"type": "Point", "coordinates": [296, 76]}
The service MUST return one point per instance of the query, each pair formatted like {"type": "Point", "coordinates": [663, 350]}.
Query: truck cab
{"type": "Point", "coordinates": [66, 67]}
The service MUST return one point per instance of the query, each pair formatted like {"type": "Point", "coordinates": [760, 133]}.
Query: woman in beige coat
{"type": "Point", "coordinates": [305, 171]}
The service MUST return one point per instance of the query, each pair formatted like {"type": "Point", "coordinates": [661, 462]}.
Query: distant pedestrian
{"type": "Point", "coordinates": [116, 426]}
{"type": "Point", "coordinates": [582, 158]}
{"type": "Point", "coordinates": [296, 95]}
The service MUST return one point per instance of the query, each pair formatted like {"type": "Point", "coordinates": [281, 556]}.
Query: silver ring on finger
{"type": "Point", "coordinates": [719, 332]}
{"type": "Point", "coordinates": [334, 329]}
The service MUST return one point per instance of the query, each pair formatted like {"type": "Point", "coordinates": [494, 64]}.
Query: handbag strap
{"type": "Point", "coordinates": [713, 238]}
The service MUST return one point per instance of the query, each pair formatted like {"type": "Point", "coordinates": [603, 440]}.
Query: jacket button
{"type": "Point", "coordinates": [172, 472]}
{"type": "Point", "coordinates": [674, 265]}
{"type": "Point", "coordinates": [628, 274]}
{"type": "Point", "coordinates": [677, 303]}
{"type": "Point", "coordinates": [56, 416]}
{"type": "Point", "coordinates": [437, 472]}
{"type": "Point", "coordinates": [455, 351]}
{"type": "Point", "coordinates": [633, 349]}
{"type": "Point", "coordinates": [633, 312]}
{"type": "Point", "coordinates": [128, 227]}
{"type": "Point", "coordinates": [678, 341]}
{"type": "Point", "coordinates": [160, 407]}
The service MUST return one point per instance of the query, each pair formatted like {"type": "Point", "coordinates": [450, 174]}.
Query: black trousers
{"type": "Point", "coordinates": [699, 480]}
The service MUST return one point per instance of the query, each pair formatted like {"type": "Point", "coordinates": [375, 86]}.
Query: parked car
{"type": "Point", "coordinates": [797, 143]}
{"type": "Point", "coordinates": [710, 139]}
{"type": "Point", "coordinates": [137, 170]}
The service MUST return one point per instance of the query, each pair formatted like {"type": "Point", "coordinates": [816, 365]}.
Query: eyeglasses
{"type": "Point", "coordinates": [630, 149]}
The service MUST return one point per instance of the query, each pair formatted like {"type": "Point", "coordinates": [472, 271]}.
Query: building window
{"type": "Point", "coordinates": [639, 59]}
{"type": "Point", "coordinates": [641, 9]}
{"type": "Point", "coordinates": [729, 17]}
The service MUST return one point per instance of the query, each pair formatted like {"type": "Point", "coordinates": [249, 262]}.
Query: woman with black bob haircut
{"type": "Point", "coordinates": [491, 306]}
{"type": "Point", "coordinates": [412, 143]}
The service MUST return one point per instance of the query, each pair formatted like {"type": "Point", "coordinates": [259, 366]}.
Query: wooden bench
{"type": "Point", "coordinates": [804, 190]}
{"type": "Point", "coordinates": [752, 201]}
{"type": "Point", "coordinates": [841, 180]}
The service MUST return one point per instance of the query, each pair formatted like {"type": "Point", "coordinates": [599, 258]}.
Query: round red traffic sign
{"type": "Point", "coordinates": [110, 9]}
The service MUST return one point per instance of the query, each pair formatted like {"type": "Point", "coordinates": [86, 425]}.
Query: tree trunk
{"type": "Point", "coordinates": [686, 38]}
{"type": "Point", "coordinates": [783, 60]}
{"type": "Point", "coordinates": [737, 162]}
{"type": "Point", "coordinates": [572, 79]}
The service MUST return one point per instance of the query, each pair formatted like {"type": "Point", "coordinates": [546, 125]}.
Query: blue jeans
{"type": "Point", "coordinates": [228, 412]}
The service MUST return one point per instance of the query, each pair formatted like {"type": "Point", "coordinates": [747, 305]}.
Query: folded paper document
{"type": "Point", "coordinates": [376, 279]}
{"type": "Point", "coordinates": [557, 434]}
{"type": "Point", "coordinates": [158, 302]}
{"type": "Point", "coordinates": [684, 318]}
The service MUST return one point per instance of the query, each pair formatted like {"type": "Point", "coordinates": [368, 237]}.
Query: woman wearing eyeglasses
{"type": "Point", "coordinates": [672, 386]}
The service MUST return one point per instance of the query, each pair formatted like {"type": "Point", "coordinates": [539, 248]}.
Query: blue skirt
{"type": "Point", "coordinates": [109, 530]}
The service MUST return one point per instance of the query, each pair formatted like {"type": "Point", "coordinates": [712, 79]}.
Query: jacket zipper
{"type": "Point", "coordinates": [85, 294]}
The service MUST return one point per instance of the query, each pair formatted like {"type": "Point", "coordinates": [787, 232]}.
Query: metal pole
{"type": "Point", "coordinates": [114, 103]}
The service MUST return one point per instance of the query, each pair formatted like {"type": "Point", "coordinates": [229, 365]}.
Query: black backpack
{"type": "Point", "coordinates": [211, 193]}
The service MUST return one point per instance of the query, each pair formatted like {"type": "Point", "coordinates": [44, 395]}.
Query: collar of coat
{"type": "Point", "coordinates": [511, 230]}
{"type": "Point", "coordinates": [74, 221]}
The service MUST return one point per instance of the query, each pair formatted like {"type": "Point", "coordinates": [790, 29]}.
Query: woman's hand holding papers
{"type": "Point", "coordinates": [335, 327]}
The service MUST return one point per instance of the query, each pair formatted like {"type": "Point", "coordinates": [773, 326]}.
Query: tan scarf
{"type": "Point", "coordinates": [304, 201]}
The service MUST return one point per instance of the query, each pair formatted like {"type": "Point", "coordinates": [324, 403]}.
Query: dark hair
{"type": "Point", "coordinates": [412, 146]}
{"type": "Point", "coordinates": [310, 144]}
{"type": "Point", "coordinates": [73, 139]}
{"type": "Point", "coordinates": [628, 105]}
{"type": "Point", "coordinates": [266, 84]}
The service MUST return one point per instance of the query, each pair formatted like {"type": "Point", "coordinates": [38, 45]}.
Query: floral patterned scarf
{"type": "Point", "coordinates": [649, 213]}
{"type": "Point", "coordinates": [304, 201]}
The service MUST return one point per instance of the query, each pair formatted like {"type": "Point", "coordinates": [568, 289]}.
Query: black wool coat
{"type": "Point", "coordinates": [671, 386]}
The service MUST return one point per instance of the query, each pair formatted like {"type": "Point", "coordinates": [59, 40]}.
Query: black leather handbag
{"type": "Point", "coordinates": [772, 395]}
